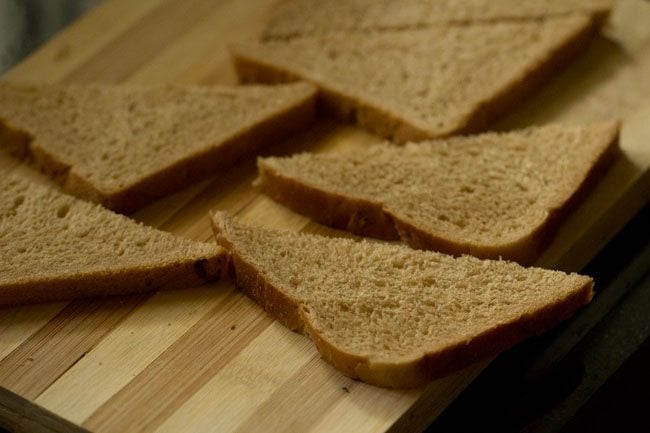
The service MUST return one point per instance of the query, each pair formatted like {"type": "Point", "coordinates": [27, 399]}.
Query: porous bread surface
{"type": "Point", "coordinates": [49, 238]}
{"type": "Point", "coordinates": [115, 136]}
{"type": "Point", "coordinates": [295, 18]}
{"type": "Point", "coordinates": [485, 191]}
{"type": "Point", "coordinates": [389, 305]}
{"type": "Point", "coordinates": [429, 82]}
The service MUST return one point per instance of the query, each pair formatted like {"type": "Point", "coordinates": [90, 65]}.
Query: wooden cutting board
{"type": "Point", "coordinates": [207, 358]}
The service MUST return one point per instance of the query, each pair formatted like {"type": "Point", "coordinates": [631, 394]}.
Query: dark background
{"type": "Point", "coordinates": [26, 24]}
{"type": "Point", "coordinates": [590, 374]}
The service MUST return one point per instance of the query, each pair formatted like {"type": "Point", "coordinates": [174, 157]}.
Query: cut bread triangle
{"type": "Point", "coordinates": [390, 315]}
{"type": "Point", "coordinates": [297, 18]}
{"type": "Point", "coordinates": [56, 247]}
{"type": "Point", "coordinates": [490, 195]}
{"type": "Point", "coordinates": [124, 146]}
{"type": "Point", "coordinates": [425, 83]}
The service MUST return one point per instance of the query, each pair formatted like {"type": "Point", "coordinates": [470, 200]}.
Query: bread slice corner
{"type": "Point", "coordinates": [300, 18]}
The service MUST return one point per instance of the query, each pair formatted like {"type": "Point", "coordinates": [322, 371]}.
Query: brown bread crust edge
{"type": "Point", "coordinates": [399, 129]}
{"type": "Point", "coordinates": [410, 372]}
{"type": "Point", "coordinates": [245, 276]}
{"type": "Point", "coordinates": [528, 248]}
{"type": "Point", "coordinates": [175, 177]}
{"type": "Point", "coordinates": [362, 217]}
{"type": "Point", "coordinates": [368, 218]}
{"type": "Point", "coordinates": [428, 366]}
{"type": "Point", "coordinates": [177, 275]}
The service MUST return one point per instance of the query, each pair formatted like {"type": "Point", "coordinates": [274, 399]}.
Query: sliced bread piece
{"type": "Point", "coordinates": [125, 146]}
{"type": "Point", "coordinates": [56, 247]}
{"type": "Point", "coordinates": [296, 18]}
{"type": "Point", "coordinates": [390, 315]}
{"type": "Point", "coordinates": [417, 84]}
{"type": "Point", "coordinates": [490, 195]}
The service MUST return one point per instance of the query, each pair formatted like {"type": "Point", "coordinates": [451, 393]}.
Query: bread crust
{"type": "Point", "coordinates": [14, 141]}
{"type": "Point", "coordinates": [178, 275]}
{"type": "Point", "coordinates": [368, 218]}
{"type": "Point", "coordinates": [428, 366]}
{"type": "Point", "coordinates": [362, 217]}
{"type": "Point", "coordinates": [409, 372]}
{"type": "Point", "coordinates": [283, 308]}
{"type": "Point", "coordinates": [398, 128]}
{"type": "Point", "coordinates": [332, 102]}
{"type": "Point", "coordinates": [523, 250]}
{"type": "Point", "coordinates": [173, 178]}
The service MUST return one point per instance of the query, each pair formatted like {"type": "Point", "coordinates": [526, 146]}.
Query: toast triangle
{"type": "Point", "coordinates": [390, 315]}
{"type": "Point", "coordinates": [124, 146]}
{"type": "Point", "coordinates": [56, 247]}
{"type": "Point", "coordinates": [490, 195]}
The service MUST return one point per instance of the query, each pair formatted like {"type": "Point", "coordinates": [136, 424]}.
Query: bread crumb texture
{"type": "Point", "coordinates": [392, 315]}
{"type": "Point", "coordinates": [294, 18]}
{"type": "Point", "coordinates": [50, 241]}
{"type": "Point", "coordinates": [114, 137]}
{"type": "Point", "coordinates": [419, 83]}
{"type": "Point", "coordinates": [482, 193]}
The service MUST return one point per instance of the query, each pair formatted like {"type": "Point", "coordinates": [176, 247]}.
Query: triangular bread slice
{"type": "Point", "coordinates": [426, 83]}
{"type": "Point", "coordinates": [124, 146]}
{"type": "Point", "coordinates": [490, 195]}
{"type": "Point", "coordinates": [56, 247]}
{"type": "Point", "coordinates": [296, 18]}
{"type": "Point", "coordinates": [390, 315]}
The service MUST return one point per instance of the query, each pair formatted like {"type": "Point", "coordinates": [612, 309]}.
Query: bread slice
{"type": "Point", "coordinates": [297, 18]}
{"type": "Point", "coordinates": [418, 84]}
{"type": "Point", "coordinates": [390, 315]}
{"type": "Point", "coordinates": [490, 195]}
{"type": "Point", "coordinates": [125, 146]}
{"type": "Point", "coordinates": [56, 247]}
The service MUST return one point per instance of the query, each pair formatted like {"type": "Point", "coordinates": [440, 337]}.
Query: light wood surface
{"type": "Point", "coordinates": [207, 358]}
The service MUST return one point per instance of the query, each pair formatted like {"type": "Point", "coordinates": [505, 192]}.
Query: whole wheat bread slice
{"type": "Point", "coordinates": [297, 18]}
{"type": "Point", "coordinates": [125, 146]}
{"type": "Point", "coordinates": [390, 315]}
{"type": "Point", "coordinates": [56, 247]}
{"type": "Point", "coordinates": [427, 83]}
{"type": "Point", "coordinates": [490, 195]}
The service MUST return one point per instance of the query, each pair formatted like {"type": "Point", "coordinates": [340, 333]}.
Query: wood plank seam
{"type": "Point", "coordinates": [201, 342]}
{"type": "Point", "coordinates": [50, 349]}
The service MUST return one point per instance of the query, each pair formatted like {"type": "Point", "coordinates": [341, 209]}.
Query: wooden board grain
{"type": "Point", "coordinates": [207, 358]}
